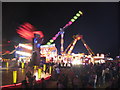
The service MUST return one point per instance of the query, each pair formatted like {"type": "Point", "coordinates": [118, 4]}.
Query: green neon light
{"type": "Point", "coordinates": [48, 43]}
{"type": "Point", "coordinates": [75, 17]}
{"type": "Point", "coordinates": [72, 20]}
{"type": "Point", "coordinates": [51, 41]}
{"type": "Point", "coordinates": [78, 14]}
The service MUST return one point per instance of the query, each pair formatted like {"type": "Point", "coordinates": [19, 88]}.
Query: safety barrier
{"type": "Point", "coordinates": [18, 85]}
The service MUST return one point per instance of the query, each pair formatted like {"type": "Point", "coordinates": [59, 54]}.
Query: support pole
{"type": "Point", "coordinates": [39, 73]}
{"type": "Point", "coordinates": [62, 42]}
{"type": "Point", "coordinates": [23, 65]}
{"type": "Point", "coordinates": [44, 67]}
{"type": "Point", "coordinates": [7, 64]}
{"type": "Point", "coordinates": [14, 76]}
{"type": "Point", "coordinates": [50, 69]}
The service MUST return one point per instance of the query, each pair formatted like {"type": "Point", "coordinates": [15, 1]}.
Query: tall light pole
{"type": "Point", "coordinates": [62, 40]}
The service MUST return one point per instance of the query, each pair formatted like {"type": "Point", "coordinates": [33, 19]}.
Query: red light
{"type": "Point", "coordinates": [7, 51]}
{"type": "Point", "coordinates": [25, 34]}
{"type": "Point", "coordinates": [29, 25]}
{"type": "Point", "coordinates": [25, 27]}
{"type": "Point", "coordinates": [9, 41]}
{"type": "Point", "coordinates": [27, 31]}
{"type": "Point", "coordinates": [40, 33]}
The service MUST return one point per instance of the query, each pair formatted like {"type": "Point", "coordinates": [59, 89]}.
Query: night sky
{"type": "Point", "coordinates": [99, 24]}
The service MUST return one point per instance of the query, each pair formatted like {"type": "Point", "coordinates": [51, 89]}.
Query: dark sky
{"type": "Point", "coordinates": [99, 25]}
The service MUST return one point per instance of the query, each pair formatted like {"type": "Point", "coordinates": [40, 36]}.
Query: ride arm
{"type": "Point", "coordinates": [87, 47]}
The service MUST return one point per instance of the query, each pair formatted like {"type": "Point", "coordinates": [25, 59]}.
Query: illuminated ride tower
{"type": "Point", "coordinates": [62, 40]}
{"type": "Point", "coordinates": [62, 31]}
{"type": "Point", "coordinates": [71, 46]}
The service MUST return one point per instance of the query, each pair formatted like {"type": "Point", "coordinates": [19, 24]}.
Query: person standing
{"type": "Point", "coordinates": [43, 84]}
{"type": "Point", "coordinates": [103, 76]}
{"type": "Point", "coordinates": [60, 85]}
{"type": "Point", "coordinates": [57, 72]}
{"type": "Point", "coordinates": [107, 75]}
{"type": "Point", "coordinates": [76, 82]}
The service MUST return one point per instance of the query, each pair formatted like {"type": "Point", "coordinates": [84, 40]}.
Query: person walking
{"type": "Point", "coordinates": [57, 72]}
{"type": "Point", "coordinates": [103, 76]}
{"type": "Point", "coordinates": [43, 84]}
{"type": "Point", "coordinates": [60, 85]}
{"type": "Point", "coordinates": [76, 82]}
{"type": "Point", "coordinates": [24, 85]}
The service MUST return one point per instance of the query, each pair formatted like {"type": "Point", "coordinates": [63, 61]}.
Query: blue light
{"type": "Point", "coordinates": [35, 40]}
{"type": "Point", "coordinates": [38, 45]}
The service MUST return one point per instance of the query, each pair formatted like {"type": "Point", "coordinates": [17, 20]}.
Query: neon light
{"type": "Point", "coordinates": [71, 48]}
{"type": "Point", "coordinates": [28, 33]}
{"type": "Point", "coordinates": [78, 14]}
{"type": "Point", "coordinates": [48, 43]}
{"type": "Point", "coordinates": [72, 20]}
{"type": "Point", "coordinates": [29, 25]}
{"type": "Point", "coordinates": [25, 46]}
{"type": "Point", "coordinates": [25, 27]}
{"type": "Point", "coordinates": [68, 24]}
{"type": "Point", "coordinates": [35, 40]}
{"type": "Point", "coordinates": [75, 17]}
{"type": "Point", "coordinates": [57, 35]}
{"type": "Point", "coordinates": [23, 53]}
{"type": "Point", "coordinates": [51, 41]}
{"type": "Point", "coordinates": [62, 41]}
{"type": "Point", "coordinates": [76, 62]}
{"type": "Point", "coordinates": [38, 45]}
{"type": "Point", "coordinates": [54, 38]}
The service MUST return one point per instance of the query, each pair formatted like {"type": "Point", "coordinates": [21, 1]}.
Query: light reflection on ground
{"type": "Point", "coordinates": [7, 75]}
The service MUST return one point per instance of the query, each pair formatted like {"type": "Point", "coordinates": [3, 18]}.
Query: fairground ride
{"type": "Point", "coordinates": [62, 31]}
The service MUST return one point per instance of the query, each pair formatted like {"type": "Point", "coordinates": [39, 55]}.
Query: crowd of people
{"type": "Point", "coordinates": [105, 75]}
{"type": "Point", "coordinates": [92, 76]}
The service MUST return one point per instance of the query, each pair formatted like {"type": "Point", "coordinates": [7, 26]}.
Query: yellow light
{"type": "Point", "coordinates": [78, 38]}
{"type": "Point", "coordinates": [81, 12]}
{"type": "Point", "coordinates": [14, 76]}
{"type": "Point", "coordinates": [77, 14]}
{"type": "Point", "coordinates": [76, 62]}
{"type": "Point", "coordinates": [23, 64]}
{"type": "Point", "coordinates": [7, 69]}
{"type": "Point", "coordinates": [7, 64]}
{"type": "Point", "coordinates": [50, 70]}
{"type": "Point", "coordinates": [51, 40]}
{"type": "Point", "coordinates": [39, 73]}
{"type": "Point", "coordinates": [35, 67]}
{"type": "Point", "coordinates": [22, 71]}
{"type": "Point", "coordinates": [44, 67]}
